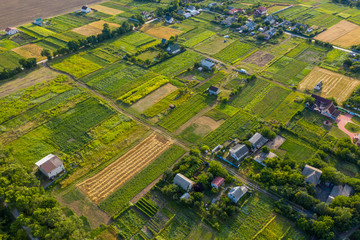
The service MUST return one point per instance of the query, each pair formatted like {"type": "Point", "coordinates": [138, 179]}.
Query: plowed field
{"type": "Point", "coordinates": [100, 186]}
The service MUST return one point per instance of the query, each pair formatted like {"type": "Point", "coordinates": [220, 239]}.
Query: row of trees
{"type": "Point", "coordinates": [25, 64]}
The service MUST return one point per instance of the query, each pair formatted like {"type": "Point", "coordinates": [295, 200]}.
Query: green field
{"type": "Point", "coordinates": [9, 59]}
{"type": "Point", "coordinates": [213, 45]}
{"type": "Point", "coordinates": [235, 52]}
{"type": "Point", "coordinates": [76, 66]}
{"type": "Point", "coordinates": [8, 44]}
{"type": "Point", "coordinates": [182, 114]}
{"type": "Point", "coordinates": [36, 31]}
{"type": "Point", "coordinates": [193, 40]}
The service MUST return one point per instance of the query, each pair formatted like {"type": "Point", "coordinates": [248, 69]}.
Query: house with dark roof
{"type": "Point", "coordinates": [169, 19]}
{"type": "Point", "coordinates": [325, 107]}
{"type": "Point", "coordinates": [228, 21]}
{"type": "Point", "coordinates": [339, 190]}
{"type": "Point", "coordinates": [261, 11]}
{"type": "Point", "coordinates": [239, 151]}
{"type": "Point", "coordinates": [251, 25]}
{"type": "Point", "coordinates": [217, 182]}
{"type": "Point", "coordinates": [183, 182]}
{"type": "Point", "coordinates": [207, 63]}
{"type": "Point", "coordinates": [270, 19]}
{"type": "Point", "coordinates": [237, 192]}
{"type": "Point", "coordinates": [50, 166]}
{"type": "Point", "coordinates": [312, 175]}
{"type": "Point", "coordinates": [11, 31]}
{"type": "Point", "coordinates": [318, 86]}
{"type": "Point", "coordinates": [173, 49]}
{"type": "Point", "coordinates": [85, 9]}
{"type": "Point", "coordinates": [257, 140]}
{"type": "Point", "coordinates": [214, 90]}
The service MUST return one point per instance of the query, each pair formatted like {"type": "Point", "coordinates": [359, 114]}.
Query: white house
{"type": "Point", "coordinates": [213, 90]}
{"type": "Point", "coordinates": [207, 64]}
{"type": "Point", "coordinates": [237, 192]}
{"type": "Point", "coordinates": [50, 166]}
{"type": "Point", "coordinates": [239, 151]}
{"type": "Point", "coordinates": [261, 11]}
{"type": "Point", "coordinates": [85, 9]}
{"type": "Point", "coordinates": [11, 31]}
{"type": "Point", "coordinates": [183, 182]}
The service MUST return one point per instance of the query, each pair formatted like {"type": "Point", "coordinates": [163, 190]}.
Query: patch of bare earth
{"type": "Point", "coordinates": [253, 56]}
{"type": "Point", "coordinates": [276, 143]}
{"type": "Point", "coordinates": [154, 97]}
{"type": "Point", "coordinates": [41, 75]}
{"type": "Point", "coordinates": [259, 58]}
{"type": "Point", "coordinates": [206, 124]}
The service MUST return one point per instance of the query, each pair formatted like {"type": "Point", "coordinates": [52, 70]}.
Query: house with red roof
{"type": "Point", "coordinates": [11, 31]}
{"type": "Point", "coordinates": [261, 11]}
{"type": "Point", "coordinates": [50, 166]}
{"type": "Point", "coordinates": [217, 182]}
{"type": "Point", "coordinates": [232, 11]}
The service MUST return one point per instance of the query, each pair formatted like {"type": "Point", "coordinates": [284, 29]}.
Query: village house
{"type": "Point", "coordinates": [11, 31]}
{"type": "Point", "coordinates": [339, 190]}
{"type": "Point", "coordinates": [185, 196]}
{"type": "Point", "coordinates": [38, 22]}
{"type": "Point", "coordinates": [237, 192]}
{"type": "Point", "coordinates": [217, 182]}
{"type": "Point", "coordinates": [187, 15]}
{"type": "Point", "coordinates": [270, 33]}
{"type": "Point", "coordinates": [312, 175]}
{"type": "Point", "coordinates": [85, 9]}
{"type": "Point", "coordinates": [270, 19]}
{"type": "Point", "coordinates": [173, 49]}
{"type": "Point", "coordinates": [232, 11]}
{"type": "Point", "coordinates": [257, 140]}
{"type": "Point", "coordinates": [261, 11]}
{"type": "Point", "coordinates": [146, 15]}
{"type": "Point", "coordinates": [191, 8]}
{"type": "Point", "coordinates": [207, 63]}
{"type": "Point", "coordinates": [183, 182]}
{"type": "Point", "coordinates": [213, 4]}
{"type": "Point", "coordinates": [251, 25]}
{"type": "Point", "coordinates": [228, 21]}
{"type": "Point", "coordinates": [214, 90]}
{"type": "Point", "coordinates": [239, 151]}
{"type": "Point", "coordinates": [318, 86]}
{"type": "Point", "coordinates": [194, 12]}
{"type": "Point", "coordinates": [325, 107]}
{"type": "Point", "coordinates": [50, 166]}
{"type": "Point", "coordinates": [217, 148]}
{"type": "Point", "coordinates": [169, 20]}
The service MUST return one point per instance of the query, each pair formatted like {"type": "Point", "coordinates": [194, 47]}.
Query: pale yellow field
{"type": "Point", "coordinates": [100, 24]}
{"type": "Point", "coordinates": [87, 30]}
{"type": "Point", "coordinates": [159, 31]}
{"type": "Point", "coordinates": [344, 34]}
{"type": "Point", "coordinates": [334, 84]}
{"type": "Point", "coordinates": [104, 183]}
{"type": "Point", "coordinates": [30, 51]}
{"type": "Point", "coordinates": [107, 10]}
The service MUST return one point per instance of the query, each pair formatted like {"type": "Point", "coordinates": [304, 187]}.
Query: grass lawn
{"type": "Point", "coordinates": [354, 128]}
{"type": "Point", "coordinates": [213, 45]}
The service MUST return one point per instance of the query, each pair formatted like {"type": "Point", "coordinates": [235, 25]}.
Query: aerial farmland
{"type": "Point", "coordinates": [127, 119]}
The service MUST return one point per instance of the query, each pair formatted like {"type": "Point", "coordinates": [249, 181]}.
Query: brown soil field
{"type": "Point", "coordinates": [343, 34]}
{"type": "Point", "coordinates": [206, 124]}
{"type": "Point", "coordinates": [253, 56]}
{"type": "Point", "coordinates": [259, 58]}
{"type": "Point", "coordinates": [15, 13]}
{"type": "Point", "coordinates": [87, 30]}
{"type": "Point", "coordinates": [154, 97]}
{"type": "Point", "coordinates": [104, 183]}
{"type": "Point", "coordinates": [159, 31]}
{"type": "Point", "coordinates": [100, 24]}
{"type": "Point", "coordinates": [30, 51]}
{"type": "Point", "coordinates": [107, 10]}
{"type": "Point", "coordinates": [41, 75]}
{"type": "Point", "coordinates": [334, 84]}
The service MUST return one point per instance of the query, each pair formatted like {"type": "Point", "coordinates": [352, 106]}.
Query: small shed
{"type": "Point", "coordinates": [38, 21]}
{"type": "Point", "coordinates": [214, 90]}
{"type": "Point", "coordinates": [85, 9]}
{"type": "Point", "coordinates": [206, 63]}
{"type": "Point", "coordinates": [169, 19]}
{"type": "Point", "coordinates": [173, 49]}
{"type": "Point", "coordinates": [217, 182]}
{"type": "Point", "coordinates": [50, 166]}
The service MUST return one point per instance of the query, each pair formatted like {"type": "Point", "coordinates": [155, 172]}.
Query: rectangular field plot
{"type": "Point", "coordinates": [137, 39]}
{"type": "Point", "coordinates": [36, 31]}
{"type": "Point", "coordinates": [107, 10]}
{"type": "Point", "coordinates": [159, 31]}
{"type": "Point", "coordinates": [235, 52]}
{"type": "Point", "coordinates": [296, 150]}
{"type": "Point", "coordinates": [344, 34]}
{"type": "Point", "coordinates": [182, 114]}
{"type": "Point", "coordinates": [236, 126]}
{"type": "Point", "coordinates": [100, 56]}
{"type": "Point", "coordinates": [177, 64]}
{"type": "Point", "coordinates": [198, 37]}
{"type": "Point", "coordinates": [9, 60]}
{"type": "Point", "coordinates": [76, 66]}
{"type": "Point", "coordinates": [334, 84]}
{"type": "Point", "coordinates": [7, 44]}
{"type": "Point", "coordinates": [30, 51]}
{"type": "Point", "coordinates": [119, 78]}
{"type": "Point", "coordinates": [213, 45]}
{"type": "Point", "coordinates": [334, 60]}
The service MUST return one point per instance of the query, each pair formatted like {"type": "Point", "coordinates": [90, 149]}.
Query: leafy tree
{"type": "Point", "coordinates": [217, 169]}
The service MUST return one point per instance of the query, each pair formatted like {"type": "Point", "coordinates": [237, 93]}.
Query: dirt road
{"type": "Point", "coordinates": [17, 12]}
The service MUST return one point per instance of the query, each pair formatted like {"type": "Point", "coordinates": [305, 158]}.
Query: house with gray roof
{"type": "Point", "coordinates": [237, 192]}
{"type": "Point", "coordinates": [173, 49]}
{"type": "Point", "coordinates": [339, 190]}
{"type": "Point", "coordinates": [206, 63]}
{"type": "Point", "coordinates": [257, 140]}
{"type": "Point", "coordinates": [312, 175]}
{"type": "Point", "coordinates": [183, 182]}
{"type": "Point", "coordinates": [50, 166]}
{"type": "Point", "coordinates": [239, 151]}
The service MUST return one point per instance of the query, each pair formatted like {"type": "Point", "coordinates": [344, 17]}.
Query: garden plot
{"type": "Point", "coordinates": [94, 28]}
{"type": "Point", "coordinates": [213, 45]}
{"type": "Point", "coordinates": [9, 59]}
{"type": "Point", "coordinates": [334, 84]}
{"type": "Point", "coordinates": [30, 51]}
{"type": "Point", "coordinates": [107, 10]}
{"type": "Point", "coordinates": [235, 52]}
{"type": "Point", "coordinates": [100, 24]}
{"type": "Point", "coordinates": [259, 58]}
{"type": "Point", "coordinates": [104, 183]}
{"type": "Point", "coordinates": [160, 31]}
{"type": "Point", "coordinates": [154, 97]}
{"type": "Point", "coordinates": [344, 34]}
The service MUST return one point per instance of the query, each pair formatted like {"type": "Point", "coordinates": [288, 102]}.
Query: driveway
{"type": "Point", "coordinates": [341, 121]}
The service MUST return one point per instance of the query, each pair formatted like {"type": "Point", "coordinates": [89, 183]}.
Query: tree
{"type": "Point", "coordinates": [28, 63]}
{"type": "Point", "coordinates": [203, 179]}
{"type": "Point", "coordinates": [265, 149]}
{"type": "Point", "coordinates": [217, 169]}
{"type": "Point", "coordinates": [46, 53]}
{"type": "Point", "coordinates": [261, 37]}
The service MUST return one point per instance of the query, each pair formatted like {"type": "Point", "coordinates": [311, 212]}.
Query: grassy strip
{"type": "Point", "coordinates": [115, 202]}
